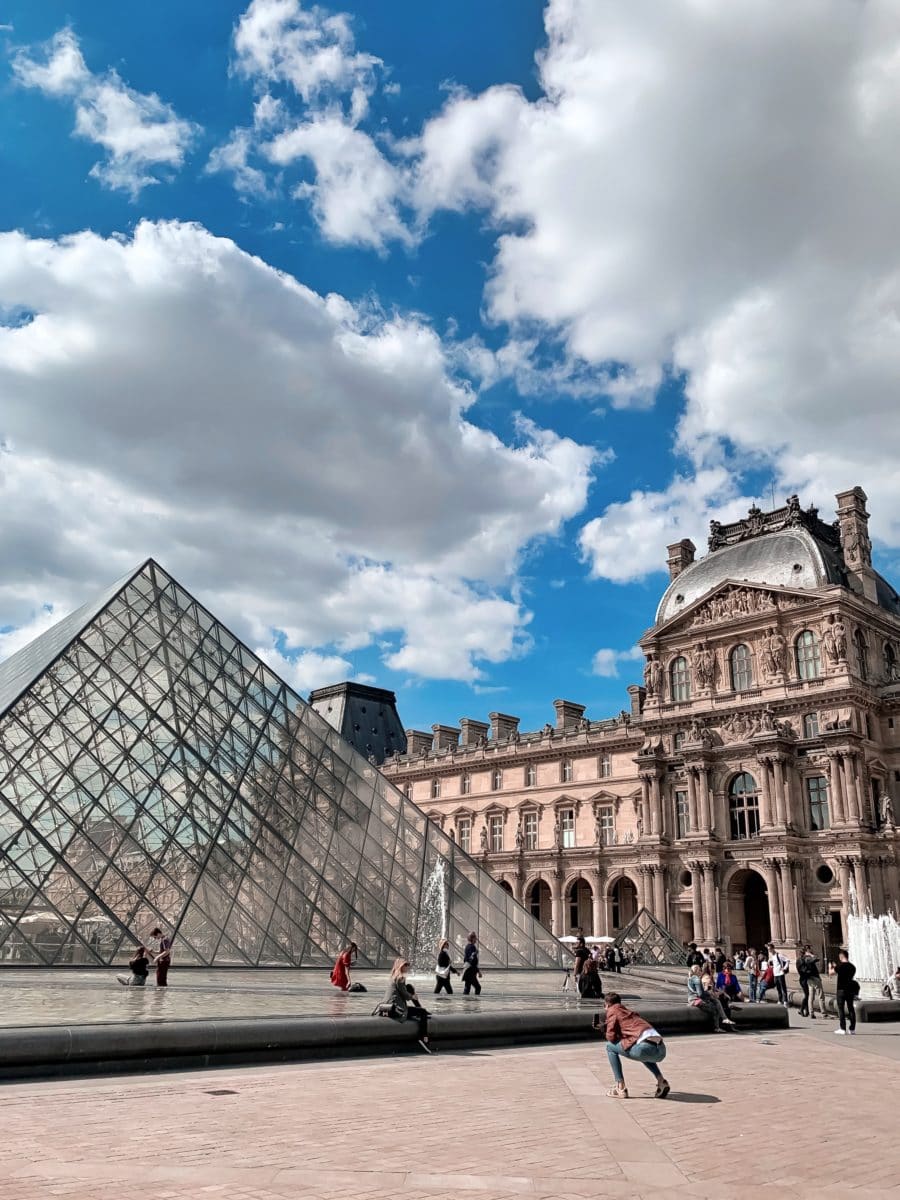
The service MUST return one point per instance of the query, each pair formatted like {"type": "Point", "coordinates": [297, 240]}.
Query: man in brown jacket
{"type": "Point", "coordinates": [630, 1036]}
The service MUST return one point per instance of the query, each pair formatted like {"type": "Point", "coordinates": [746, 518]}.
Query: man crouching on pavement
{"type": "Point", "coordinates": [630, 1036]}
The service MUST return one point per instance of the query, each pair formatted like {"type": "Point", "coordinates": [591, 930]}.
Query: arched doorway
{"type": "Point", "coordinates": [749, 922]}
{"type": "Point", "coordinates": [622, 903]}
{"type": "Point", "coordinates": [538, 902]}
{"type": "Point", "coordinates": [580, 907]}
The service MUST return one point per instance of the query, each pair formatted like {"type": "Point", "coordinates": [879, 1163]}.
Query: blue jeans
{"type": "Point", "coordinates": [644, 1052]}
{"type": "Point", "coordinates": [752, 982]}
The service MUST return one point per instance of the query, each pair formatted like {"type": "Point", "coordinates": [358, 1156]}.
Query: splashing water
{"type": "Point", "coordinates": [432, 920]}
{"type": "Point", "coordinates": [873, 943]}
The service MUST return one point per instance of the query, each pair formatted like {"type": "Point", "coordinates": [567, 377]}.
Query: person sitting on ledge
{"type": "Point", "coordinates": [140, 969]}
{"type": "Point", "coordinates": [400, 1002]}
{"type": "Point", "coordinates": [891, 987]}
{"type": "Point", "coordinates": [630, 1036]}
{"type": "Point", "coordinates": [590, 985]}
{"type": "Point", "coordinates": [729, 984]}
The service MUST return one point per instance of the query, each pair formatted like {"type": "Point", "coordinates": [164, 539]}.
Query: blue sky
{"type": "Point", "coordinates": [408, 335]}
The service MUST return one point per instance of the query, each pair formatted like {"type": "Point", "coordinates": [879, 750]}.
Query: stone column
{"type": "Point", "coordinates": [789, 923]}
{"type": "Point", "coordinates": [692, 800]}
{"type": "Point", "coordinates": [770, 873]}
{"type": "Point", "coordinates": [556, 905]}
{"type": "Point", "coordinates": [645, 803]}
{"type": "Point", "coordinates": [780, 806]}
{"type": "Point", "coordinates": [850, 797]}
{"type": "Point", "coordinates": [656, 818]}
{"type": "Point", "coordinates": [765, 794]}
{"type": "Point", "coordinates": [644, 898]}
{"type": "Point", "coordinates": [659, 895]}
{"type": "Point", "coordinates": [862, 888]}
{"type": "Point", "coordinates": [696, 900]}
{"type": "Point", "coordinates": [836, 776]}
{"type": "Point", "coordinates": [706, 803]}
{"type": "Point", "coordinates": [598, 916]}
{"type": "Point", "coordinates": [709, 888]}
{"type": "Point", "coordinates": [844, 877]}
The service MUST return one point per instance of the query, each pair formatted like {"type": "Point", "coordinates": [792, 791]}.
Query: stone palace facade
{"type": "Point", "coordinates": [747, 793]}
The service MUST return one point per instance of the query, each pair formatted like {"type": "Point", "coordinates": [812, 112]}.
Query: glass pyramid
{"type": "Point", "coordinates": [651, 942]}
{"type": "Point", "coordinates": [153, 769]}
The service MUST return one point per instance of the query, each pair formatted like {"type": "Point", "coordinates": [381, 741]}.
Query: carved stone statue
{"type": "Point", "coordinates": [704, 662]}
{"type": "Point", "coordinates": [652, 676]}
{"type": "Point", "coordinates": [629, 838]}
{"type": "Point", "coordinates": [887, 811]}
{"type": "Point", "coordinates": [520, 840]}
{"type": "Point", "coordinates": [773, 654]}
{"type": "Point", "coordinates": [767, 720]}
{"type": "Point", "coordinates": [598, 832]}
{"type": "Point", "coordinates": [834, 639]}
{"type": "Point", "coordinates": [484, 841]}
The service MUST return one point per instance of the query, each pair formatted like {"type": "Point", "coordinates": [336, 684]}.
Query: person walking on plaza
{"type": "Point", "coordinates": [766, 978]}
{"type": "Point", "coordinates": [780, 967]}
{"type": "Point", "coordinates": [751, 965]}
{"type": "Point", "coordinates": [162, 956]}
{"type": "Point", "coordinates": [847, 989]}
{"type": "Point", "coordinates": [803, 979]}
{"type": "Point", "coordinates": [619, 959]}
{"type": "Point", "coordinates": [140, 969]}
{"type": "Point", "coordinates": [814, 983]}
{"type": "Point", "coordinates": [443, 969]}
{"type": "Point", "coordinates": [340, 972]}
{"type": "Point", "coordinates": [628, 1035]}
{"type": "Point", "coordinates": [471, 975]}
{"type": "Point", "coordinates": [401, 1004]}
{"type": "Point", "coordinates": [582, 954]}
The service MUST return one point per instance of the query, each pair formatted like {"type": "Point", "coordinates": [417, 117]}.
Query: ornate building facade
{"type": "Point", "coordinates": [748, 791]}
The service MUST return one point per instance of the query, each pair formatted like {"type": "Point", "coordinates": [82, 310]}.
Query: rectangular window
{"type": "Point", "coordinates": [677, 741]}
{"type": "Point", "coordinates": [565, 773]}
{"type": "Point", "coordinates": [465, 785]}
{"type": "Point", "coordinates": [607, 822]}
{"type": "Point", "coordinates": [811, 725]}
{"type": "Point", "coordinates": [435, 789]}
{"type": "Point", "coordinates": [530, 830]}
{"type": "Point", "coordinates": [464, 834]}
{"type": "Point", "coordinates": [682, 817]}
{"type": "Point", "coordinates": [605, 766]}
{"type": "Point", "coordinates": [530, 776]}
{"type": "Point", "coordinates": [496, 832]}
{"type": "Point", "coordinates": [497, 779]}
{"type": "Point", "coordinates": [817, 793]}
{"type": "Point", "coordinates": [567, 825]}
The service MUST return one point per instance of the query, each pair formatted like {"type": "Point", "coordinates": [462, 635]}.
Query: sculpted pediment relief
{"type": "Point", "coordinates": [732, 601]}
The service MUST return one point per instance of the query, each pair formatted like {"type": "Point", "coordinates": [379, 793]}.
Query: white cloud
{"type": "Point", "coordinates": [606, 661]}
{"type": "Point", "coordinates": [305, 466]}
{"type": "Point", "coordinates": [714, 192]}
{"type": "Point", "coordinates": [140, 133]}
{"type": "Point", "coordinates": [306, 670]}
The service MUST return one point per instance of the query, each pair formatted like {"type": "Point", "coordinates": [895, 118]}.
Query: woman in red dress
{"type": "Point", "coordinates": [340, 973]}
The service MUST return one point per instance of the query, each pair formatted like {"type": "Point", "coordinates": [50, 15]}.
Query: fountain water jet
{"type": "Point", "coordinates": [874, 947]}
{"type": "Point", "coordinates": [432, 924]}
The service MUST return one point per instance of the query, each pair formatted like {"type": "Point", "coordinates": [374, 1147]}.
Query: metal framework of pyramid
{"type": "Point", "coordinates": [650, 941]}
{"type": "Point", "coordinates": [154, 770]}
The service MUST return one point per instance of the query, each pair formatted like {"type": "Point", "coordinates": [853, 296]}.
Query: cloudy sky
{"type": "Point", "coordinates": [408, 335]}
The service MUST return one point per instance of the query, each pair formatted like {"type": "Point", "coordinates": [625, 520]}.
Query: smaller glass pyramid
{"type": "Point", "coordinates": [154, 770]}
{"type": "Point", "coordinates": [651, 942]}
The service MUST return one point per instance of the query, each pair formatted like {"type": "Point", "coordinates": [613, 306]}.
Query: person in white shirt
{"type": "Point", "coordinates": [780, 968]}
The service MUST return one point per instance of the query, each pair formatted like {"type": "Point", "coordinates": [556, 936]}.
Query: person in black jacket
{"type": "Point", "coordinates": [471, 975]}
{"type": "Point", "coordinates": [695, 956]}
{"type": "Point", "coordinates": [443, 969]}
{"type": "Point", "coordinates": [803, 973]}
{"type": "Point", "coordinates": [847, 991]}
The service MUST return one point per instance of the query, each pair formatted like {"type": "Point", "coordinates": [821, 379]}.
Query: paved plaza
{"type": "Point", "coordinates": [807, 1112]}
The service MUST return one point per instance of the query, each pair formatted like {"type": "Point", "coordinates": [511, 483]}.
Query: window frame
{"type": "Point", "coordinates": [436, 787]}
{"type": "Point", "coordinates": [606, 819]}
{"type": "Point", "coordinates": [811, 725]}
{"type": "Point", "coordinates": [818, 809]}
{"type": "Point", "coordinates": [531, 775]}
{"type": "Point", "coordinates": [495, 832]}
{"type": "Point", "coordinates": [680, 679]}
{"type": "Point", "coordinates": [567, 828]}
{"type": "Point", "coordinates": [465, 784]}
{"type": "Point", "coordinates": [682, 813]}
{"type": "Point", "coordinates": [566, 771]}
{"type": "Point", "coordinates": [807, 656]}
{"type": "Point", "coordinates": [605, 768]}
{"type": "Point", "coordinates": [741, 674]}
{"type": "Point", "coordinates": [530, 829]}
{"type": "Point", "coordinates": [743, 809]}
{"type": "Point", "coordinates": [496, 779]}
{"type": "Point", "coordinates": [464, 834]}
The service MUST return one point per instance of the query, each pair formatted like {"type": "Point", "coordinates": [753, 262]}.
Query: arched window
{"type": "Point", "coordinates": [743, 807]}
{"type": "Point", "coordinates": [435, 789]}
{"type": "Point", "coordinates": [530, 776]}
{"type": "Point", "coordinates": [890, 662]}
{"type": "Point", "coordinates": [862, 654]}
{"type": "Point", "coordinates": [806, 651]}
{"type": "Point", "coordinates": [565, 770]}
{"type": "Point", "coordinates": [741, 669]}
{"type": "Point", "coordinates": [497, 779]}
{"type": "Point", "coordinates": [680, 679]}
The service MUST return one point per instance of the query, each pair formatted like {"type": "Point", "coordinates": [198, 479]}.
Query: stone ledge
{"type": "Point", "coordinates": [150, 1046]}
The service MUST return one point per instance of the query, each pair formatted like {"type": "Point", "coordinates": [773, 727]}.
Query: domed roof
{"type": "Point", "coordinates": [788, 558]}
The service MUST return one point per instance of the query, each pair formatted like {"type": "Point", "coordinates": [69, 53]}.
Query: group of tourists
{"type": "Point", "coordinates": [589, 962]}
{"type": "Point", "coordinates": [157, 950]}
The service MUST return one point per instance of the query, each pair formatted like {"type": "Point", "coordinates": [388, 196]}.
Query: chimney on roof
{"type": "Point", "coordinates": [638, 696]}
{"type": "Point", "coordinates": [445, 737]}
{"type": "Point", "coordinates": [568, 714]}
{"type": "Point", "coordinates": [417, 742]}
{"type": "Point", "coordinates": [473, 732]}
{"type": "Point", "coordinates": [503, 726]}
{"type": "Point", "coordinates": [681, 555]}
{"type": "Point", "coordinates": [854, 522]}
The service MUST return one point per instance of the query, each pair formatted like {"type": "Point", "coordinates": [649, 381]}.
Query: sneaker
{"type": "Point", "coordinates": [853, 1033]}
{"type": "Point", "coordinates": [842, 1032]}
{"type": "Point", "coordinates": [662, 1089]}
{"type": "Point", "coordinates": [727, 1021]}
